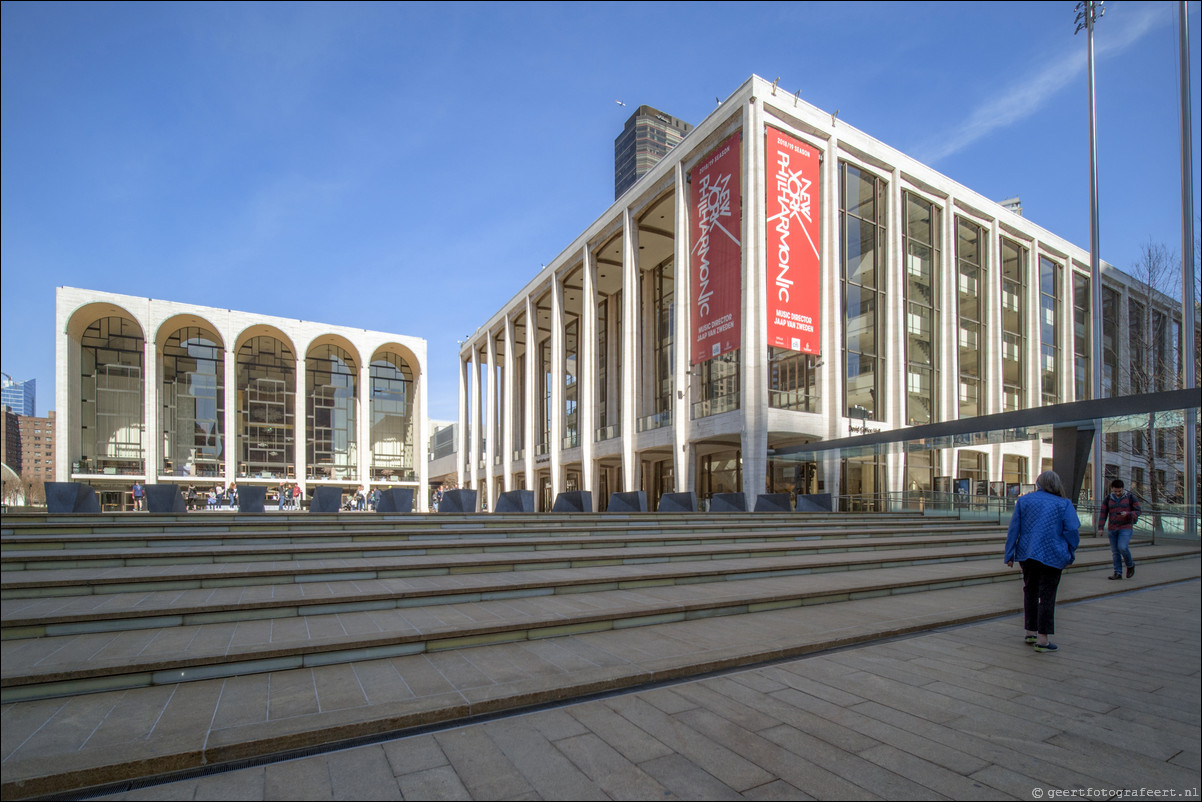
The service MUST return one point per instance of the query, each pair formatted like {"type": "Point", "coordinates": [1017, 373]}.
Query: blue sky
{"type": "Point", "coordinates": [409, 167]}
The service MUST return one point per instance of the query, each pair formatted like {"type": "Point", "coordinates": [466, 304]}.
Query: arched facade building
{"type": "Point", "coordinates": [157, 391]}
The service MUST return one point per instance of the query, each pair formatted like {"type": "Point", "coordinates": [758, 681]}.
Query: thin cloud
{"type": "Point", "coordinates": [1023, 99]}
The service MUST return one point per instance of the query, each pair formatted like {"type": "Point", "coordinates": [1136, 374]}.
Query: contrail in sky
{"type": "Point", "coordinates": [1023, 99]}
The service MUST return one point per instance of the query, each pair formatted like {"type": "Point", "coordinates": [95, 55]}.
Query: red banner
{"type": "Point", "coordinates": [794, 267]}
{"type": "Point", "coordinates": [716, 259]}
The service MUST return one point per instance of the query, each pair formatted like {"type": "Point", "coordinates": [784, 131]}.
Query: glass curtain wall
{"type": "Point", "coordinates": [1137, 344]}
{"type": "Point", "coordinates": [793, 380]}
{"type": "Point", "coordinates": [862, 216]}
{"type": "Point", "coordinates": [662, 358]}
{"type": "Point", "coordinates": [331, 376]}
{"type": "Point", "coordinates": [521, 402]}
{"type": "Point", "coordinates": [922, 311]}
{"type": "Point", "coordinates": [609, 367]}
{"type": "Point", "coordinates": [1014, 282]}
{"type": "Point", "coordinates": [1014, 473]}
{"type": "Point", "coordinates": [655, 405]}
{"type": "Point", "coordinates": [266, 409]}
{"type": "Point", "coordinates": [546, 381]}
{"type": "Point", "coordinates": [192, 398]}
{"type": "Point", "coordinates": [571, 383]}
{"type": "Point", "coordinates": [1082, 376]}
{"type": "Point", "coordinates": [970, 260]}
{"type": "Point", "coordinates": [1049, 330]}
{"type": "Point", "coordinates": [718, 385]}
{"type": "Point", "coordinates": [498, 378]}
{"type": "Point", "coordinates": [392, 399]}
{"type": "Point", "coordinates": [602, 385]}
{"type": "Point", "coordinates": [112, 408]}
{"type": "Point", "coordinates": [974, 466]}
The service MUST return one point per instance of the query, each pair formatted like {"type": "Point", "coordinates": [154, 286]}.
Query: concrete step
{"type": "Point", "coordinates": [59, 747]}
{"type": "Point", "coordinates": [49, 546]}
{"type": "Point", "coordinates": [141, 525]}
{"type": "Point", "coordinates": [283, 546]}
{"type": "Point", "coordinates": [86, 663]}
{"type": "Point", "coordinates": [200, 568]}
{"type": "Point", "coordinates": [340, 589]}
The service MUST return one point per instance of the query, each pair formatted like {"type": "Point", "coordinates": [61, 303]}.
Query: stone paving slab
{"type": "Point", "coordinates": [51, 745]}
{"type": "Point", "coordinates": [802, 729]}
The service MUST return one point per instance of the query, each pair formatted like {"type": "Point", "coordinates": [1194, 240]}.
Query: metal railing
{"type": "Point", "coordinates": [608, 432]}
{"type": "Point", "coordinates": [1166, 521]}
{"type": "Point", "coordinates": [715, 406]}
{"type": "Point", "coordinates": [656, 421]}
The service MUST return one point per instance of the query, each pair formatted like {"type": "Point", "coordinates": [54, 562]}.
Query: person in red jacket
{"type": "Point", "coordinates": [1120, 511]}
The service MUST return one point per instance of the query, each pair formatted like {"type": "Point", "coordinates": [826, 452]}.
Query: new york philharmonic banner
{"type": "Point", "coordinates": [791, 174]}
{"type": "Point", "coordinates": [716, 259]}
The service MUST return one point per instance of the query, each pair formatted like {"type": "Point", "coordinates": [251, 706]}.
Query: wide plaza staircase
{"type": "Point", "coordinates": [139, 646]}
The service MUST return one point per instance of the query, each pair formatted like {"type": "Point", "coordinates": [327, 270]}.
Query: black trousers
{"type": "Point", "coordinates": [1039, 596]}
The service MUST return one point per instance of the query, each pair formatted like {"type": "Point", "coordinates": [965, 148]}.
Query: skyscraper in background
{"type": "Point", "coordinates": [648, 136]}
{"type": "Point", "coordinates": [21, 397]}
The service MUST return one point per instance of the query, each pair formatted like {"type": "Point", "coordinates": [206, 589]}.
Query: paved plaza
{"type": "Point", "coordinates": [965, 712]}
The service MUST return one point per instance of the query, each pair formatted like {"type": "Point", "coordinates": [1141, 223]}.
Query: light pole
{"type": "Point", "coordinates": [1088, 12]}
{"type": "Point", "coordinates": [1187, 272]}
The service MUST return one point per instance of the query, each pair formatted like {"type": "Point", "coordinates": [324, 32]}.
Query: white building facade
{"type": "Point", "coordinates": [780, 278]}
{"type": "Point", "coordinates": [163, 392]}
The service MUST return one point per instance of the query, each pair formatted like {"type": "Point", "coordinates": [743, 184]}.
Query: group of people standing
{"type": "Point", "coordinates": [1043, 538]}
{"type": "Point", "coordinates": [215, 499]}
{"type": "Point", "coordinates": [288, 496]}
{"type": "Point", "coordinates": [362, 500]}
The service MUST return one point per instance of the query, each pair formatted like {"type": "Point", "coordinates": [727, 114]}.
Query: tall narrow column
{"type": "Point", "coordinates": [473, 451]}
{"type": "Point", "coordinates": [490, 420]}
{"type": "Point", "coordinates": [300, 427]}
{"type": "Point", "coordinates": [507, 404]}
{"type": "Point", "coordinates": [683, 467]}
{"type": "Point", "coordinates": [363, 422]}
{"type": "Point", "coordinates": [630, 310]}
{"type": "Point", "coordinates": [152, 436]}
{"type": "Point", "coordinates": [753, 392]}
{"type": "Point", "coordinates": [230, 441]}
{"type": "Point", "coordinates": [555, 436]}
{"type": "Point", "coordinates": [462, 454]}
{"type": "Point", "coordinates": [531, 405]}
{"type": "Point", "coordinates": [586, 373]}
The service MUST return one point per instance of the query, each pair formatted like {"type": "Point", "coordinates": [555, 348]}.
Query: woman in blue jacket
{"type": "Point", "coordinates": [1043, 539]}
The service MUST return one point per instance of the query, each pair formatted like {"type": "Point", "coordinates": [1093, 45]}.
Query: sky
{"type": "Point", "coordinates": [409, 167]}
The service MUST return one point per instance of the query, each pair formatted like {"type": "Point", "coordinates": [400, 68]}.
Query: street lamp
{"type": "Point", "coordinates": [1088, 13]}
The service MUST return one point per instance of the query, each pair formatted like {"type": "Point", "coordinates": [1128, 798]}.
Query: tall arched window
{"type": "Point", "coordinates": [111, 400]}
{"type": "Point", "coordinates": [192, 398]}
{"type": "Point", "coordinates": [266, 404]}
{"type": "Point", "coordinates": [330, 380]}
{"type": "Point", "coordinates": [392, 421]}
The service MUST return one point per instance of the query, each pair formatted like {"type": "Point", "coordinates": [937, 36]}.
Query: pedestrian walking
{"type": "Point", "coordinates": [1043, 538]}
{"type": "Point", "coordinates": [1120, 511]}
